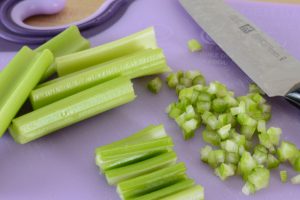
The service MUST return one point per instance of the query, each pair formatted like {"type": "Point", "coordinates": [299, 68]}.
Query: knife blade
{"type": "Point", "coordinates": [258, 55]}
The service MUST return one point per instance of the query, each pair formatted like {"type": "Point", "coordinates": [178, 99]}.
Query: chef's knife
{"type": "Point", "coordinates": [260, 57]}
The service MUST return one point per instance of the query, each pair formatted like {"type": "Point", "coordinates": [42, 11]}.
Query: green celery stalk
{"type": "Point", "coordinates": [77, 61]}
{"type": "Point", "coordinates": [68, 41]}
{"type": "Point", "coordinates": [136, 148]}
{"type": "Point", "coordinates": [146, 62]}
{"type": "Point", "coordinates": [73, 109]}
{"type": "Point", "coordinates": [115, 176]}
{"type": "Point", "coordinates": [17, 79]}
{"type": "Point", "coordinates": [125, 160]}
{"type": "Point", "coordinates": [147, 183]}
{"type": "Point", "coordinates": [170, 190]}
{"type": "Point", "coordinates": [148, 133]}
{"type": "Point", "coordinates": [122, 155]}
{"type": "Point", "coordinates": [194, 193]}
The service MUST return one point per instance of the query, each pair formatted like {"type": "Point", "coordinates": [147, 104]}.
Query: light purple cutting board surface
{"type": "Point", "coordinates": [61, 165]}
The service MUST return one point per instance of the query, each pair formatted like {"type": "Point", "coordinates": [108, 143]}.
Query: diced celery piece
{"type": "Point", "coordinates": [139, 64]}
{"type": "Point", "coordinates": [247, 131]}
{"type": "Point", "coordinates": [72, 109]}
{"type": "Point", "coordinates": [155, 85]}
{"type": "Point", "coordinates": [230, 146]}
{"type": "Point", "coordinates": [259, 177]}
{"type": "Point", "coordinates": [274, 135]}
{"type": "Point", "coordinates": [193, 193]}
{"type": "Point", "coordinates": [172, 80]}
{"type": "Point", "coordinates": [283, 176]}
{"type": "Point", "coordinates": [245, 120]}
{"type": "Point", "coordinates": [67, 42]}
{"type": "Point", "coordinates": [224, 131]}
{"type": "Point", "coordinates": [260, 156]}
{"type": "Point", "coordinates": [248, 189]}
{"type": "Point", "coordinates": [241, 108]}
{"type": "Point", "coordinates": [287, 151]}
{"type": "Point", "coordinates": [224, 171]}
{"type": "Point", "coordinates": [204, 152]}
{"type": "Point", "coordinates": [169, 190]}
{"type": "Point", "coordinates": [264, 139]}
{"type": "Point", "coordinates": [17, 79]}
{"type": "Point", "coordinates": [115, 176]}
{"type": "Point", "coordinates": [232, 158]}
{"type": "Point", "coordinates": [203, 106]}
{"type": "Point", "coordinates": [219, 105]}
{"type": "Point", "coordinates": [211, 137]}
{"type": "Point", "coordinates": [253, 88]}
{"type": "Point", "coordinates": [296, 164]}
{"type": "Point", "coordinates": [261, 126]}
{"type": "Point", "coordinates": [246, 164]}
{"type": "Point", "coordinates": [189, 127]}
{"type": "Point", "coordinates": [133, 43]}
{"type": "Point", "coordinates": [151, 182]}
{"type": "Point", "coordinates": [296, 179]}
{"type": "Point", "coordinates": [272, 162]}
{"type": "Point", "coordinates": [199, 80]}
{"type": "Point", "coordinates": [194, 45]}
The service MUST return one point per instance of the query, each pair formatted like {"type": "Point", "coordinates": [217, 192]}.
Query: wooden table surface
{"type": "Point", "coordinates": [78, 9]}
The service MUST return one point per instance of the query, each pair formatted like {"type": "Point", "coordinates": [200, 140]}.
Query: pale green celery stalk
{"type": "Point", "coordinates": [17, 79]}
{"type": "Point", "coordinates": [72, 109]}
{"type": "Point", "coordinates": [136, 148]}
{"type": "Point", "coordinates": [68, 41]}
{"type": "Point", "coordinates": [147, 183]}
{"type": "Point", "coordinates": [146, 62]}
{"type": "Point", "coordinates": [170, 190]}
{"type": "Point", "coordinates": [148, 133]}
{"type": "Point", "coordinates": [133, 43]}
{"type": "Point", "coordinates": [194, 193]}
{"type": "Point", "coordinates": [115, 176]}
{"type": "Point", "coordinates": [127, 160]}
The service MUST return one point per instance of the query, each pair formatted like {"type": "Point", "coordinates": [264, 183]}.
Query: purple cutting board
{"type": "Point", "coordinates": [61, 165]}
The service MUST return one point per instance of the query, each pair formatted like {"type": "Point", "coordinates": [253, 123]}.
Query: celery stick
{"type": "Point", "coordinates": [148, 133]}
{"type": "Point", "coordinates": [72, 109]}
{"type": "Point", "coordinates": [114, 176]}
{"type": "Point", "coordinates": [164, 192]}
{"type": "Point", "coordinates": [77, 61]}
{"type": "Point", "coordinates": [17, 79]}
{"type": "Point", "coordinates": [165, 142]}
{"type": "Point", "coordinates": [150, 182]}
{"type": "Point", "coordinates": [143, 63]}
{"type": "Point", "coordinates": [127, 160]}
{"type": "Point", "coordinates": [68, 41]}
{"type": "Point", "coordinates": [193, 193]}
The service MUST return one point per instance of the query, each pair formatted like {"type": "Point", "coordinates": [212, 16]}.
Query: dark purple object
{"type": "Point", "coordinates": [12, 32]}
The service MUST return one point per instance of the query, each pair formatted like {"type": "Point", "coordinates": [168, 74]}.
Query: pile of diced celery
{"type": "Point", "coordinates": [231, 127]}
{"type": "Point", "coordinates": [91, 80]}
{"type": "Point", "coordinates": [143, 167]}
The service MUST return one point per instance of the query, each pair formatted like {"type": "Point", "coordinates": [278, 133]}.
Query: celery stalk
{"type": "Point", "coordinates": [77, 61]}
{"type": "Point", "coordinates": [115, 176]}
{"type": "Point", "coordinates": [148, 133]}
{"type": "Point", "coordinates": [68, 41]}
{"type": "Point", "coordinates": [146, 62]}
{"type": "Point", "coordinates": [170, 190]}
{"type": "Point", "coordinates": [17, 79]}
{"type": "Point", "coordinates": [165, 142]}
{"type": "Point", "coordinates": [72, 109]}
{"type": "Point", "coordinates": [193, 193]}
{"type": "Point", "coordinates": [156, 180]}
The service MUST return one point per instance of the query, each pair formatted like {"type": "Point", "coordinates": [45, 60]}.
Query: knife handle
{"type": "Point", "coordinates": [293, 95]}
